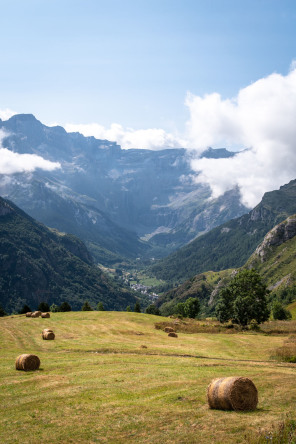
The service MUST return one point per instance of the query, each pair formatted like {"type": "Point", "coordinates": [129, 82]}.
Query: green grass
{"type": "Point", "coordinates": [97, 384]}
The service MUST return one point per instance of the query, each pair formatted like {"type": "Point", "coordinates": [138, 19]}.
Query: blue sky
{"type": "Point", "coordinates": [132, 62]}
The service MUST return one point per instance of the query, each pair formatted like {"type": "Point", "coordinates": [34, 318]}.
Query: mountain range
{"type": "Point", "coordinates": [230, 244]}
{"type": "Point", "coordinates": [38, 264]}
{"type": "Point", "coordinates": [123, 204]}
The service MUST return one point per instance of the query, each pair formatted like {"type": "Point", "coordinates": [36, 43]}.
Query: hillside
{"type": "Point", "coordinates": [231, 244]}
{"type": "Point", "coordinates": [112, 198]}
{"type": "Point", "coordinates": [98, 382]}
{"type": "Point", "coordinates": [38, 264]}
{"type": "Point", "coordinates": [274, 259]}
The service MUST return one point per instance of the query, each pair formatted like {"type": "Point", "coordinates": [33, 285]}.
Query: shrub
{"type": "Point", "coordinates": [137, 308]}
{"type": "Point", "coordinates": [100, 306]}
{"type": "Point", "coordinates": [86, 307]}
{"type": "Point", "coordinates": [2, 312]}
{"type": "Point", "coordinates": [43, 306]}
{"type": "Point", "coordinates": [25, 309]}
{"type": "Point", "coordinates": [54, 308]}
{"type": "Point", "coordinates": [279, 312]}
{"type": "Point", "coordinates": [152, 309]}
{"type": "Point", "coordinates": [65, 307]}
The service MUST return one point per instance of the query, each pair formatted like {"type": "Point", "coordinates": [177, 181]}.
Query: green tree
{"type": "Point", "coordinates": [191, 307]}
{"type": "Point", "coordinates": [25, 309]}
{"type": "Point", "coordinates": [65, 307]}
{"type": "Point", "coordinates": [54, 308]}
{"type": "Point", "coordinates": [280, 312]}
{"type": "Point", "coordinates": [100, 306]}
{"type": "Point", "coordinates": [180, 309]}
{"type": "Point", "coordinates": [243, 299]}
{"type": "Point", "coordinates": [86, 307]}
{"type": "Point", "coordinates": [43, 306]}
{"type": "Point", "coordinates": [152, 309]}
{"type": "Point", "coordinates": [128, 308]}
{"type": "Point", "coordinates": [137, 307]}
{"type": "Point", "coordinates": [2, 312]}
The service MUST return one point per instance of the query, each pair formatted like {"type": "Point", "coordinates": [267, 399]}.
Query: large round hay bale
{"type": "Point", "coordinates": [169, 329]}
{"type": "Point", "coordinates": [36, 314]}
{"type": "Point", "coordinates": [27, 362]}
{"type": "Point", "coordinates": [172, 334]}
{"type": "Point", "coordinates": [232, 393]}
{"type": "Point", "coordinates": [48, 335]}
{"type": "Point", "coordinates": [45, 315]}
{"type": "Point", "coordinates": [29, 314]}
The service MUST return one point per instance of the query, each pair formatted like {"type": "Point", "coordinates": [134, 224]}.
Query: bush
{"type": "Point", "coordinates": [86, 307]}
{"type": "Point", "coordinates": [65, 307]}
{"type": "Point", "coordinates": [152, 309]}
{"type": "Point", "coordinates": [2, 312]}
{"type": "Point", "coordinates": [54, 308]}
{"type": "Point", "coordinates": [25, 309]}
{"type": "Point", "coordinates": [43, 306]}
{"type": "Point", "coordinates": [280, 313]}
{"type": "Point", "coordinates": [100, 306]}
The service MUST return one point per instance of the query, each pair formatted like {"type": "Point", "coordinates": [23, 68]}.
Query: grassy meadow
{"type": "Point", "coordinates": [112, 377]}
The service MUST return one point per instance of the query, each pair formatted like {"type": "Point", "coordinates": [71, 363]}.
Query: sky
{"type": "Point", "coordinates": [156, 74]}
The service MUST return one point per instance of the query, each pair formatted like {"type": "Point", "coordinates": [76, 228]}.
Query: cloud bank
{"type": "Point", "coordinates": [11, 163]}
{"type": "Point", "coordinates": [152, 139]}
{"type": "Point", "coordinates": [261, 118]}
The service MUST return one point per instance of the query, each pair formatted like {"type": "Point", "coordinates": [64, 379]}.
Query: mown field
{"type": "Point", "coordinates": [98, 384]}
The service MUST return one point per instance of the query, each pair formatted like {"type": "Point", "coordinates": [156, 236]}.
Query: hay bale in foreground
{"type": "Point", "coordinates": [232, 393]}
{"type": "Point", "coordinates": [29, 314]}
{"type": "Point", "coordinates": [45, 315]}
{"type": "Point", "coordinates": [48, 335]}
{"type": "Point", "coordinates": [27, 362]}
{"type": "Point", "coordinates": [172, 334]}
{"type": "Point", "coordinates": [169, 329]}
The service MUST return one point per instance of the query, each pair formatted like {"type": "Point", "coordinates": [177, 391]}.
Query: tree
{"type": "Point", "coordinates": [243, 299]}
{"type": "Point", "coordinates": [86, 307]}
{"type": "Point", "coordinates": [2, 312]}
{"type": "Point", "coordinates": [100, 306]}
{"type": "Point", "coordinates": [54, 308]}
{"type": "Point", "coordinates": [43, 306]}
{"type": "Point", "coordinates": [180, 309]}
{"type": "Point", "coordinates": [152, 309]}
{"type": "Point", "coordinates": [280, 312]}
{"type": "Point", "coordinates": [137, 308]}
{"type": "Point", "coordinates": [128, 308]}
{"type": "Point", "coordinates": [25, 309]}
{"type": "Point", "coordinates": [65, 307]}
{"type": "Point", "coordinates": [191, 307]}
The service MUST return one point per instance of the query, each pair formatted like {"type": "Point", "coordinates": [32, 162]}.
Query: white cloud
{"type": "Point", "coordinates": [153, 138]}
{"type": "Point", "coordinates": [5, 114]}
{"type": "Point", "coordinates": [11, 162]}
{"type": "Point", "coordinates": [262, 118]}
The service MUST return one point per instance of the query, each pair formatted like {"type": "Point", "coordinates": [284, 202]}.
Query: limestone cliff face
{"type": "Point", "coordinates": [278, 235]}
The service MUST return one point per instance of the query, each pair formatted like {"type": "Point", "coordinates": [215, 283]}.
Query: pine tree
{"type": "Point", "coordinates": [65, 307]}
{"type": "Point", "coordinates": [100, 306]}
{"type": "Point", "coordinates": [25, 309]}
{"type": "Point", "coordinates": [43, 306]}
{"type": "Point", "coordinates": [137, 308]}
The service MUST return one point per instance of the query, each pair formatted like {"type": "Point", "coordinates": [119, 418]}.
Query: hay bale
{"type": "Point", "coordinates": [169, 329]}
{"type": "Point", "coordinates": [45, 315]}
{"type": "Point", "coordinates": [46, 329]}
{"type": "Point", "coordinates": [36, 314]}
{"type": "Point", "coordinates": [232, 393]}
{"type": "Point", "coordinates": [172, 334]}
{"type": "Point", "coordinates": [48, 335]}
{"type": "Point", "coordinates": [27, 362]}
{"type": "Point", "coordinates": [29, 314]}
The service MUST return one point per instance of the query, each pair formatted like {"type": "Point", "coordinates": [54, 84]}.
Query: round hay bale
{"type": "Point", "coordinates": [48, 335]}
{"type": "Point", "coordinates": [169, 329]}
{"type": "Point", "coordinates": [29, 314]}
{"type": "Point", "coordinates": [172, 334]}
{"type": "Point", "coordinates": [45, 315]}
{"type": "Point", "coordinates": [232, 393]}
{"type": "Point", "coordinates": [36, 314]}
{"type": "Point", "coordinates": [27, 362]}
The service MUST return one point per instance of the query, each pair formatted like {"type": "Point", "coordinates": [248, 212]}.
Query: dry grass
{"type": "Point", "coordinates": [287, 352]}
{"type": "Point", "coordinates": [97, 384]}
{"type": "Point", "coordinates": [279, 327]}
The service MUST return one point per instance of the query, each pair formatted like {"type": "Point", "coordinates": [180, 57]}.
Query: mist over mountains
{"type": "Point", "coordinates": [122, 203]}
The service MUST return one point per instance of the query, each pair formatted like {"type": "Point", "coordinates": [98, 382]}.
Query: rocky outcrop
{"type": "Point", "coordinates": [278, 235]}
